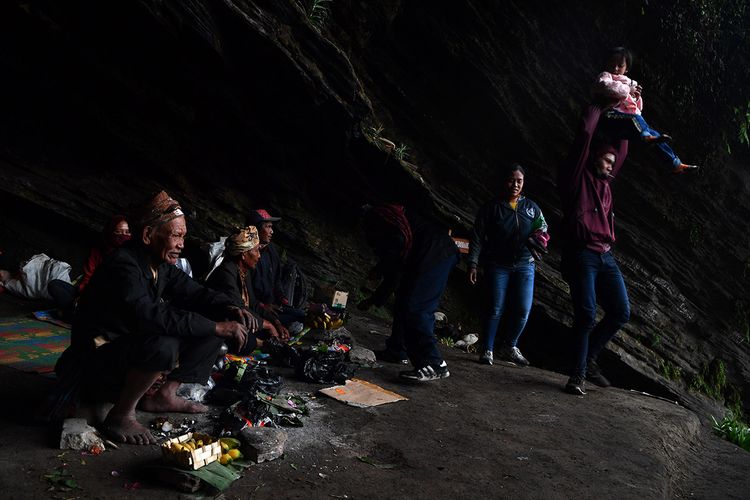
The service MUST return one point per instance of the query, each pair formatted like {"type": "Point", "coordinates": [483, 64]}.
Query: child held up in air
{"type": "Point", "coordinates": [624, 118]}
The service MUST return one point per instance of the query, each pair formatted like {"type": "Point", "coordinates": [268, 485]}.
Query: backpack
{"type": "Point", "coordinates": [295, 285]}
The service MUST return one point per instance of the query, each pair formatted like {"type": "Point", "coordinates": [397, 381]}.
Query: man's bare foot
{"type": "Point", "coordinates": [161, 402]}
{"type": "Point", "coordinates": [126, 429]}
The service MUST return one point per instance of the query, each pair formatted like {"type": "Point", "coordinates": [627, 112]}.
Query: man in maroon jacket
{"type": "Point", "coordinates": [587, 261]}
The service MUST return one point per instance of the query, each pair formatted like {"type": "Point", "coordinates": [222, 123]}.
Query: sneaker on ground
{"type": "Point", "coordinates": [427, 373]}
{"type": "Point", "coordinates": [594, 374]}
{"type": "Point", "coordinates": [390, 357]}
{"type": "Point", "coordinates": [684, 168]}
{"type": "Point", "coordinates": [487, 358]}
{"type": "Point", "coordinates": [513, 355]}
{"type": "Point", "coordinates": [576, 385]}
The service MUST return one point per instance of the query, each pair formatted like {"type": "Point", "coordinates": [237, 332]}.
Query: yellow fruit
{"type": "Point", "coordinates": [224, 447]}
{"type": "Point", "coordinates": [199, 443]}
{"type": "Point", "coordinates": [235, 454]}
{"type": "Point", "coordinates": [230, 443]}
{"type": "Point", "coordinates": [225, 459]}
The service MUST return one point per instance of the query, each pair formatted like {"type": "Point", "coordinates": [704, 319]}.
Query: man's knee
{"type": "Point", "coordinates": [156, 353]}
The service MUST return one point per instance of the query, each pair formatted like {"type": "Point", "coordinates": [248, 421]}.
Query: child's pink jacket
{"type": "Point", "coordinates": [617, 88]}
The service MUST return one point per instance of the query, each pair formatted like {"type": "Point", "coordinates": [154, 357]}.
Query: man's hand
{"type": "Point", "coordinates": [231, 330]}
{"type": "Point", "coordinates": [245, 317]}
{"type": "Point", "coordinates": [283, 332]}
{"type": "Point", "coordinates": [268, 326]}
{"type": "Point", "coordinates": [473, 275]}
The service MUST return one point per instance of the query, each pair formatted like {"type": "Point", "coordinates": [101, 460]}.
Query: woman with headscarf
{"type": "Point", "coordinates": [115, 233]}
{"type": "Point", "coordinates": [241, 255]}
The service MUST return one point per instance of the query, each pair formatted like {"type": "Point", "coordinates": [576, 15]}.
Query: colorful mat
{"type": "Point", "coordinates": [31, 345]}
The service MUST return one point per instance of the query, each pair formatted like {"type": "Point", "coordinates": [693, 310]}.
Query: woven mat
{"type": "Point", "coordinates": [31, 345]}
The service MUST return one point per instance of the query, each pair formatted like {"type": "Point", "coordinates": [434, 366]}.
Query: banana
{"type": "Point", "coordinates": [231, 443]}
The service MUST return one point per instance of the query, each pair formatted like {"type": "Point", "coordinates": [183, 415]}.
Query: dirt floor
{"type": "Point", "coordinates": [485, 432]}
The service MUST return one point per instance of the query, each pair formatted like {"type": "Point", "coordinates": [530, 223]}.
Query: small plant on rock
{"type": "Point", "coordinates": [670, 371]}
{"type": "Point", "coordinates": [318, 12]}
{"type": "Point", "coordinates": [401, 152]}
{"type": "Point", "coordinates": [733, 430]}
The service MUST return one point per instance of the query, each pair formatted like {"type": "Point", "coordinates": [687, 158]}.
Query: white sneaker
{"type": "Point", "coordinates": [513, 355]}
{"type": "Point", "coordinates": [427, 373]}
{"type": "Point", "coordinates": [486, 358]}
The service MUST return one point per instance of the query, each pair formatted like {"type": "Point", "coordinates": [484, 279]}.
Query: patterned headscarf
{"type": "Point", "coordinates": [160, 210]}
{"type": "Point", "coordinates": [242, 240]}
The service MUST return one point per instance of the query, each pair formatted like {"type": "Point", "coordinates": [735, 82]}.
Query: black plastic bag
{"type": "Point", "coordinates": [326, 367]}
{"type": "Point", "coordinates": [282, 354]}
{"type": "Point", "coordinates": [252, 378]}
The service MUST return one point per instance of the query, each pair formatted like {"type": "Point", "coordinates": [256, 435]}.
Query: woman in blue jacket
{"type": "Point", "coordinates": [509, 234]}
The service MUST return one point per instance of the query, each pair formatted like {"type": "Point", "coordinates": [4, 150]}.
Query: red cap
{"type": "Point", "coordinates": [260, 215]}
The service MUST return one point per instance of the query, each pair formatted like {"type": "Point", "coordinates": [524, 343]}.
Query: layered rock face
{"type": "Point", "coordinates": [233, 105]}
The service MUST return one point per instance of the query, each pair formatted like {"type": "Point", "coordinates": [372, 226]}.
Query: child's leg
{"type": "Point", "coordinates": [634, 127]}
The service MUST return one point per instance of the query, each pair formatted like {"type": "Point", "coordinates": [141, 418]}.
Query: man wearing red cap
{"type": "Point", "coordinates": [588, 234]}
{"type": "Point", "coordinates": [266, 278]}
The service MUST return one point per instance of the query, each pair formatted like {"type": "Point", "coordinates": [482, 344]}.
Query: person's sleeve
{"type": "Point", "coordinates": [95, 258]}
{"type": "Point", "coordinates": [539, 223]}
{"type": "Point", "coordinates": [539, 228]}
{"type": "Point", "coordinates": [609, 89]}
{"type": "Point", "coordinates": [478, 234]}
{"type": "Point", "coordinates": [622, 153]}
{"type": "Point", "coordinates": [572, 168]}
{"type": "Point", "coordinates": [142, 315]}
{"type": "Point", "coordinates": [186, 293]}
{"type": "Point", "coordinates": [222, 280]}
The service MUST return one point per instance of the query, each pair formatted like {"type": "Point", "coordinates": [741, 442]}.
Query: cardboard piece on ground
{"type": "Point", "coordinates": [362, 394]}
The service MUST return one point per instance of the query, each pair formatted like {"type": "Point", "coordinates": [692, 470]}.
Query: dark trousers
{"type": "Point", "coordinates": [64, 295]}
{"type": "Point", "coordinates": [187, 359]}
{"type": "Point", "coordinates": [594, 277]}
{"type": "Point", "coordinates": [288, 315]}
{"type": "Point", "coordinates": [417, 299]}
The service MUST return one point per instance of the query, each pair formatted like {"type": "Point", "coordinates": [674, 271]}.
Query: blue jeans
{"type": "Point", "coordinates": [634, 127]}
{"type": "Point", "coordinates": [594, 277]}
{"type": "Point", "coordinates": [511, 290]}
{"type": "Point", "coordinates": [417, 299]}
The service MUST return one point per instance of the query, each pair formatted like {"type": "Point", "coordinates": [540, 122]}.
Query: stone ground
{"type": "Point", "coordinates": [497, 431]}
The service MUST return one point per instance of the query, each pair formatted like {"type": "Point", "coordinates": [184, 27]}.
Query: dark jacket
{"type": "Point", "coordinates": [226, 279]}
{"type": "Point", "coordinates": [500, 232]}
{"type": "Point", "coordinates": [430, 246]}
{"type": "Point", "coordinates": [588, 218]}
{"type": "Point", "coordinates": [122, 298]}
{"type": "Point", "coordinates": [266, 277]}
